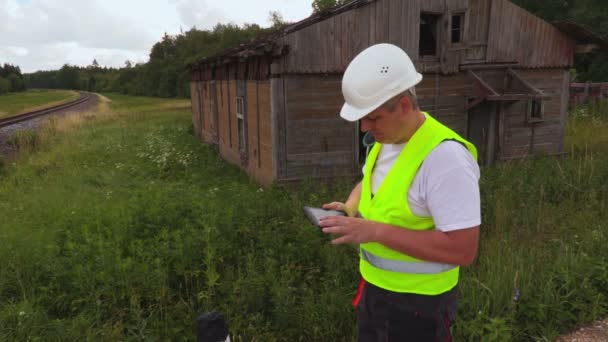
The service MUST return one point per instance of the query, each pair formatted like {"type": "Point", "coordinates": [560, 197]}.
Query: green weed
{"type": "Point", "coordinates": [128, 227]}
{"type": "Point", "coordinates": [24, 140]}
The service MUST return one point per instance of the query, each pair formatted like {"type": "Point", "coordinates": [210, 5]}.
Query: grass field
{"type": "Point", "coordinates": [15, 103]}
{"type": "Point", "coordinates": [125, 227]}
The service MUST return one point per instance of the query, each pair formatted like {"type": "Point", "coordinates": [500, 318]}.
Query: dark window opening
{"type": "Point", "coordinates": [429, 29]}
{"type": "Point", "coordinates": [535, 110]}
{"type": "Point", "coordinates": [457, 27]}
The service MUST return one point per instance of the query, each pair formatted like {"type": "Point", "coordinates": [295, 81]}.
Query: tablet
{"type": "Point", "coordinates": [315, 214]}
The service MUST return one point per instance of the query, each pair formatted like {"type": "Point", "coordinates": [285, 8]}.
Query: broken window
{"type": "Point", "coordinates": [457, 27]}
{"type": "Point", "coordinates": [429, 30]}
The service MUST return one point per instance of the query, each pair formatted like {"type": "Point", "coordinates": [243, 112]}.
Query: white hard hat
{"type": "Point", "coordinates": [373, 77]}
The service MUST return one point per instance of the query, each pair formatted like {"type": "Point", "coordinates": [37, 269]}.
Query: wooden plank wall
{"type": "Point", "coordinates": [195, 106]}
{"type": "Point", "coordinates": [477, 31]}
{"type": "Point", "coordinates": [228, 135]}
{"type": "Point", "coordinates": [517, 35]}
{"type": "Point", "coordinates": [523, 138]}
{"type": "Point", "coordinates": [319, 142]}
{"type": "Point", "coordinates": [444, 98]}
{"type": "Point", "coordinates": [495, 31]}
{"type": "Point", "coordinates": [454, 54]}
{"type": "Point", "coordinates": [206, 112]}
{"type": "Point", "coordinates": [328, 46]}
{"type": "Point", "coordinates": [259, 131]}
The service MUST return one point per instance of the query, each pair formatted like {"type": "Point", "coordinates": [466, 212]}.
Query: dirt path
{"type": "Point", "coordinates": [596, 332]}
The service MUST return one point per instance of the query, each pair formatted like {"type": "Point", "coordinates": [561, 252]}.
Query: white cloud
{"type": "Point", "coordinates": [45, 34]}
{"type": "Point", "coordinates": [197, 13]}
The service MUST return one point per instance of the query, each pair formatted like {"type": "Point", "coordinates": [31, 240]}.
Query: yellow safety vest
{"type": "Point", "coordinates": [385, 267]}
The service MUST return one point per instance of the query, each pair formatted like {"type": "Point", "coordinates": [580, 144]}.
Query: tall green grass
{"type": "Point", "coordinates": [15, 103]}
{"type": "Point", "coordinates": [120, 225]}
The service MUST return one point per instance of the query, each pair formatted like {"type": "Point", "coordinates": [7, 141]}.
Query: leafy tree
{"type": "Point", "coordinates": [68, 77]}
{"type": "Point", "coordinates": [321, 5]}
{"type": "Point", "coordinates": [16, 83]}
{"type": "Point", "coordinates": [4, 85]}
{"type": "Point", "coordinates": [276, 20]}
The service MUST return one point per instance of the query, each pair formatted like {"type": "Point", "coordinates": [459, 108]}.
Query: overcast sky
{"type": "Point", "coordinates": [46, 34]}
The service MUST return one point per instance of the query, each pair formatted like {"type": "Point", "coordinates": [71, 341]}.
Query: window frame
{"type": "Point", "coordinates": [462, 15]}
{"type": "Point", "coordinates": [540, 107]}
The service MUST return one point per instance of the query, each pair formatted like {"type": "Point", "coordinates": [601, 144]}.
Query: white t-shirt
{"type": "Point", "coordinates": [445, 188]}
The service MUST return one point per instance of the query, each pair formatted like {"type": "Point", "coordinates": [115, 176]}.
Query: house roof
{"type": "Point", "coordinates": [581, 33]}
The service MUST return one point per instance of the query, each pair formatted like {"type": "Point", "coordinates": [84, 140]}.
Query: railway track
{"type": "Point", "coordinates": [84, 97]}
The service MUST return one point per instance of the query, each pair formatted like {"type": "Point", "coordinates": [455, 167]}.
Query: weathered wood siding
{"type": "Point", "coordinates": [259, 132]}
{"type": "Point", "coordinates": [494, 31]}
{"type": "Point", "coordinates": [259, 161]}
{"type": "Point", "coordinates": [477, 31]}
{"type": "Point", "coordinates": [314, 141]}
{"type": "Point", "coordinates": [196, 107]}
{"type": "Point", "coordinates": [328, 46]}
{"type": "Point", "coordinates": [444, 97]}
{"type": "Point", "coordinates": [522, 138]}
{"type": "Point", "coordinates": [206, 111]}
{"type": "Point", "coordinates": [228, 145]}
{"type": "Point", "coordinates": [516, 35]}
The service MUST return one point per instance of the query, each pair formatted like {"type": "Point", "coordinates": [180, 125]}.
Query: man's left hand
{"type": "Point", "coordinates": [349, 229]}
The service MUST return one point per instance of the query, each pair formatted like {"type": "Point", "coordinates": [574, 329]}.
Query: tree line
{"type": "Point", "coordinates": [165, 74]}
{"type": "Point", "coordinates": [11, 79]}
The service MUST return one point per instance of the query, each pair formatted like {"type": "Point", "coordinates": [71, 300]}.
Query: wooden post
{"type": "Point", "coordinates": [278, 117]}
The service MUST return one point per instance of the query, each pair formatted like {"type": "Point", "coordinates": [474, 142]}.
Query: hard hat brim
{"type": "Point", "coordinates": [350, 113]}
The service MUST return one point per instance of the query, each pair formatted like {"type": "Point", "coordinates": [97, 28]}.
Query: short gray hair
{"type": "Point", "coordinates": [392, 103]}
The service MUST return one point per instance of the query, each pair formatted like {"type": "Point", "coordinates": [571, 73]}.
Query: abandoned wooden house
{"type": "Point", "coordinates": [493, 72]}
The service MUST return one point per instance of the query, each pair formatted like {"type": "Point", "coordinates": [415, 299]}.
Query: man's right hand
{"type": "Point", "coordinates": [351, 212]}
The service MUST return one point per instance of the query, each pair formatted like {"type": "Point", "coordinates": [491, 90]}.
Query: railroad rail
{"type": "Point", "coordinates": [84, 97]}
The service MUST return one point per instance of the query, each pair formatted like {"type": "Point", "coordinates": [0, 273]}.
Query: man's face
{"type": "Point", "coordinates": [384, 124]}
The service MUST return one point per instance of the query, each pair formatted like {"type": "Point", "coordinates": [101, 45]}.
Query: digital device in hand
{"type": "Point", "coordinates": [315, 214]}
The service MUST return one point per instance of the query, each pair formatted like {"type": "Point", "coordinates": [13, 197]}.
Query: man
{"type": "Point", "coordinates": [415, 214]}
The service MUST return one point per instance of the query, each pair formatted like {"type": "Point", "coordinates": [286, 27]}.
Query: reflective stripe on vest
{"type": "Point", "coordinates": [423, 267]}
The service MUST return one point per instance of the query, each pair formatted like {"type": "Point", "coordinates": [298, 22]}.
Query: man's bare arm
{"type": "Point", "coordinates": [457, 247]}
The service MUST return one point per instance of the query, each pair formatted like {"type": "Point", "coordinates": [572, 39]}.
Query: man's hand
{"type": "Point", "coordinates": [350, 212]}
{"type": "Point", "coordinates": [350, 229]}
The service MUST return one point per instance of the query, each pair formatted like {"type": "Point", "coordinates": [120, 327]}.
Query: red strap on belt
{"type": "Point", "coordinates": [359, 293]}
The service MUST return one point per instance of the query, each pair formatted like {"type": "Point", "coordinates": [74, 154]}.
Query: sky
{"type": "Point", "coordinates": [46, 34]}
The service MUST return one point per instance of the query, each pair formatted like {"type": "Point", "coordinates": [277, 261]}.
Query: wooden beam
{"type": "Point", "coordinates": [516, 97]}
{"type": "Point", "coordinates": [474, 103]}
{"type": "Point", "coordinates": [480, 88]}
{"type": "Point", "coordinates": [527, 84]}
{"type": "Point", "coordinates": [586, 48]}
{"type": "Point", "coordinates": [487, 66]}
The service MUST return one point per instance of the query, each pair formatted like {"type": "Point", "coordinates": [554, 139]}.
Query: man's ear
{"type": "Point", "coordinates": [406, 104]}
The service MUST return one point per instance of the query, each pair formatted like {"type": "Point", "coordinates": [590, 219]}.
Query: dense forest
{"type": "Point", "coordinates": [165, 74]}
{"type": "Point", "coordinates": [11, 79]}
